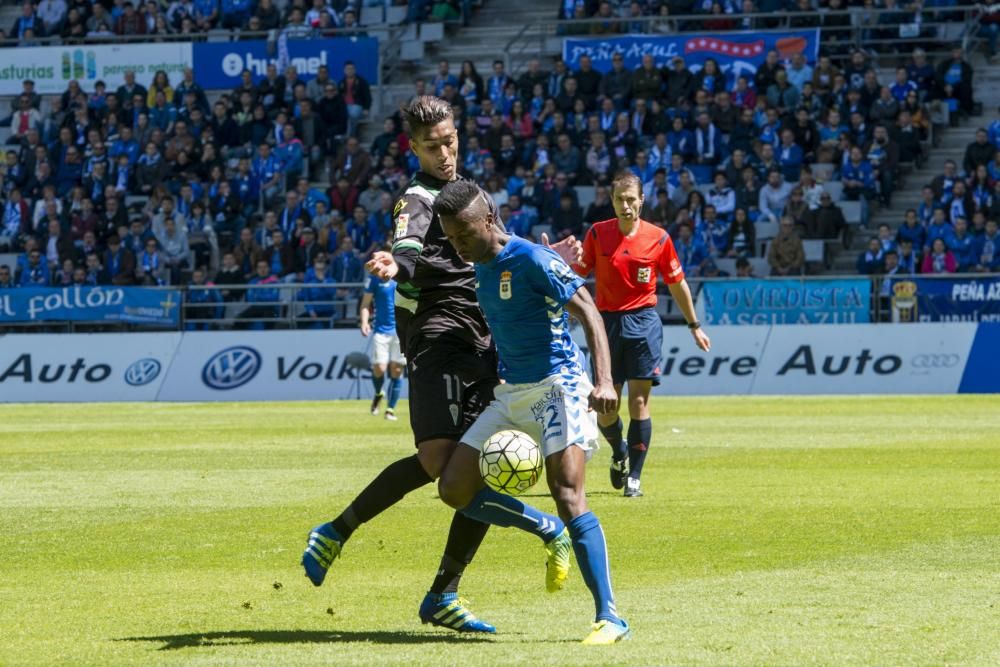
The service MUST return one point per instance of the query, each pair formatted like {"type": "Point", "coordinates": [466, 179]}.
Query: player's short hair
{"type": "Point", "coordinates": [625, 180]}
{"type": "Point", "coordinates": [455, 197]}
{"type": "Point", "coordinates": [425, 112]}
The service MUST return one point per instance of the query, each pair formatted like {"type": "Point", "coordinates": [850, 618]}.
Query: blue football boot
{"type": "Point", "coordinates": [323, 548]}
{"type": "Point", "coordinates": [447, 610]}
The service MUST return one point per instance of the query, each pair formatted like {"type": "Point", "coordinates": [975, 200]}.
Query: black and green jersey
{"type": "Point", "coordinates": [435, 289]}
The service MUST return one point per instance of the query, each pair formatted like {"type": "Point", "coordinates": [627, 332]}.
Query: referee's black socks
{"type": "Point", "coordinates": [640, 432]}
{"type": "Point", "coordinates": [614, 435]}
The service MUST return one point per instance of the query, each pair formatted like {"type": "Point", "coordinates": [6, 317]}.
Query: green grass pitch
{"type": "Point", "coordinates": [774, 531]}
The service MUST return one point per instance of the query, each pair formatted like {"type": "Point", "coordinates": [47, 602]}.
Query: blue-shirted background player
{"type": "Point", "coordinates": [386, 355]}
{"type": "Point", "coordinates": [525, 291]}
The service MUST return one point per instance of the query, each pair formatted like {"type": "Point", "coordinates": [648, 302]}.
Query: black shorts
{"type": "Point", "coordinates": [636, 341]}
{"type": "Point", "coordinates": [450, 384]}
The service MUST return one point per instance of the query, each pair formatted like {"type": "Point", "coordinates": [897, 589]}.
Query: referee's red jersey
{"type": "Point", "coordinates": [626, 266]}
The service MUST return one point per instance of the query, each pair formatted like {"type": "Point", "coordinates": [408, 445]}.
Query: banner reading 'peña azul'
{"type": "Point", "coordinates": [737, 53]}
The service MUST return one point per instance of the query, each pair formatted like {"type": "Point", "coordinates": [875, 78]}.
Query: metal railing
{"type": "Point", "coordinates": [938, 28]}
{"type": "Point", "coordinates": [289, 311]}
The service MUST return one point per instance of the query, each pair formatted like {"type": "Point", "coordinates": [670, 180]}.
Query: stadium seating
{"type": "Point", "coordinates": [423, 45]}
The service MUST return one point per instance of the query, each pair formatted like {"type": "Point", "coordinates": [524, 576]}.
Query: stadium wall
{"type": "Point", "coordinates": [940, 358]}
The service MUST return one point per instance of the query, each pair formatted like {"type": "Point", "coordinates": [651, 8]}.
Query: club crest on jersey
{"type": "Point", "coordinates": [644, 274]}
{"type": "Point", "coordinates": [505, 290]}
{"type": "Point", "coordinates": [402, 222]}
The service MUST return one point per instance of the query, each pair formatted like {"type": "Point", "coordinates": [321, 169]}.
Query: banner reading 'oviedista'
{"type": "Point", "coordinates": [787, 301]}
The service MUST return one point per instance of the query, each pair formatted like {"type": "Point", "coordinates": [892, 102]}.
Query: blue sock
{"type": "Point", "coordinates": [640, 432]}
{"type": "Point", "coordinates": [506, 511]}
{"type": "Point", "coordinates": [378, 381]}
{"type": "Point", "coordinates": [395, 385]}
{"type": "Point", "coordinates": [592, 556]}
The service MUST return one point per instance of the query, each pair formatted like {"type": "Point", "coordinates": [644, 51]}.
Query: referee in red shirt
{"type": "Point", "coordinates": [625, 255]}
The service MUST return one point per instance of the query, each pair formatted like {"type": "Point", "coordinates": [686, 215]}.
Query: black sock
{"type": "Point", "coordinates": [378, 381]}
{"type": "Point", "coordinates": [383, 492]}
{"type": "Point", "coordinates": [640, 431]}
{"type": "Point", "coordinates": [613, 434]}
{"type": "Point", "coordinates": [464, 539]}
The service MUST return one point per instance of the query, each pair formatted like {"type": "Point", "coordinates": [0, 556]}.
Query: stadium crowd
{"type": "Point", "coordinates": [150, 184]}
{"type": "Point", "coordinates": [59, 21]}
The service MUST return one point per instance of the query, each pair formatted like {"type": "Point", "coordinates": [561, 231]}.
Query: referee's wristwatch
{"type": "Point", "coordinates": [693, 326]}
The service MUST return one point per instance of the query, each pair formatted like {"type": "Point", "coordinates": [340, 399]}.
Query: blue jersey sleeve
{"type": "Point", "coordinates": [372, 285]}
{"type": "Point", "coordinates": [552, 276]}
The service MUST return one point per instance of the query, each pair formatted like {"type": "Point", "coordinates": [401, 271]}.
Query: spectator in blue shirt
{"type": "Point", "coordinates": [691, 250]}
{"type": "Point", "coordinates": [319, 295]}
{"type": "Point", "coordinates": [236, 13]}
{"type": "Point", "coordinates": [940, 228]}
{"type": "Point", "coordinates": [885, 238]}
{"type": "Point", "coordinates": [346, 266]}
{"type": "Point", "coordinates": [206, 14]}
{"type": "Point", "coordinates": [125, 145]}
{"type": "Point", "coordinates": [6, 280]}
{"type": "Point", "coordinates": [204, 303]}
{"type": "Point", "coordinates": [380, 226]}
{"type": "Point", "coordinates": [988, 249]}
{"type": "Point", "coordinates": [290, 153]}
{"type": "Point", "coordinates": [264, 296]}
{"type": "Point", "coordinates": [790, 156]}
{"type": "Point", "coordinates": [522, 217]}
{"type": "Point", "coordinates": [911, 230]}
{"type": "Point", "coordinates": [681, 141]}
{"type": "Point", "coordinates": [993, 132]}
{"type": "Point", "coordinates": [713, 232]}
{"type": "Point", "coordinates": [34, 270]}
{"type": "Point", "coordinates": [163, 115]}
{"type": "Point", "coordinates": [902, 86]}
{"type": "Point", "coordinates": [357, 230]}
{"type": "Point", "coordinates": [858, 178]}
{"type": "Point", "coordinates": [871, 260]}
{"type": "Point", "coordinates": [962, 245]}
{"type": "Point", "coordinates": [267, 172]}
{"type": "Point", "coordinates": [443, 78]}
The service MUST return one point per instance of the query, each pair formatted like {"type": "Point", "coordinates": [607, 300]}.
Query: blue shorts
{"type": "Point", "coordinates": [636, 341]}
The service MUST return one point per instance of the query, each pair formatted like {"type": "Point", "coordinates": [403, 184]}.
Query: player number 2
{"type": "Point", "coordinates": [452, 386]}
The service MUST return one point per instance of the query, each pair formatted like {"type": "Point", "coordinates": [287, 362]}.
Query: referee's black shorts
{"type": "Point", "coordinates": [450, 384]}
{"type": "Point", "coordinates": [636, 341]}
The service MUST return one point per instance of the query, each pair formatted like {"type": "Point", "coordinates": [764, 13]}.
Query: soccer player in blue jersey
{"type": "Point", "coordinates": [386, 354]}
{"type": "Point", "coordinates": [525, 291]}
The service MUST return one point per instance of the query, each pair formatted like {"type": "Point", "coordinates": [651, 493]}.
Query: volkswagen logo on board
{"type": "Point", "coordinates": [142, 372]}
{"type": "Point", "coordinates": [231, 368]}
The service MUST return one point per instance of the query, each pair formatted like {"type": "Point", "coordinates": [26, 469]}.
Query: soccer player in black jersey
{"type": "Point", "coordinates": [452, 364]}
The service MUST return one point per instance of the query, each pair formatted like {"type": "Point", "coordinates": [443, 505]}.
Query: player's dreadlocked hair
{"type": "Point", "coordinates": [426, 111]}
{"type": "Point", "coordinates": [455, 197]}
{"type": "Point", "coordinates": [625, 180]}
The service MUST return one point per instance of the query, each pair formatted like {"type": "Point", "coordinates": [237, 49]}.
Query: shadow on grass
{"type": "Point", "coordinates": [245, 637]}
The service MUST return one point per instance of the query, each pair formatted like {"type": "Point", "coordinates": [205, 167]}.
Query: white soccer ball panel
{"type": "Point", "coordinates": [510, 462]}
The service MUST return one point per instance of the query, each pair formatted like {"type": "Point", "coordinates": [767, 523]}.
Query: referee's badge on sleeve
{"type": "Point", "coordinates": [644, 274]}
{"type": "Point", "coordinates": [402, 222]}
{"type": "Point", "coordinates": [505, 290]}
